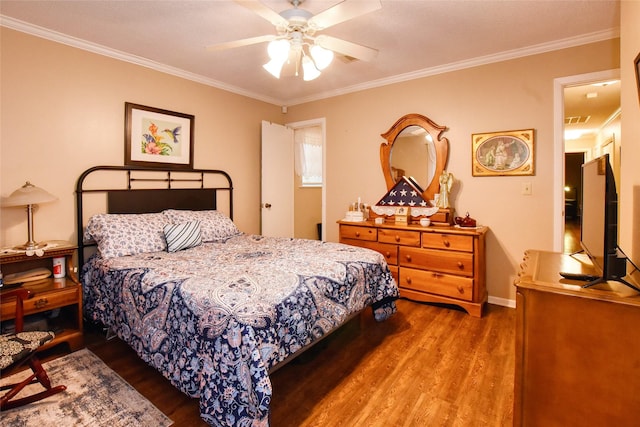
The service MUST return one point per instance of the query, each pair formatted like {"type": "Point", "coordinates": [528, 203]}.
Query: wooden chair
{"type": "Point", "coordinates": [19, 348]}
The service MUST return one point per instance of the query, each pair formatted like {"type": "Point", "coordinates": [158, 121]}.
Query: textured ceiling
{"type": "Point", "coordinates": [414, 38]}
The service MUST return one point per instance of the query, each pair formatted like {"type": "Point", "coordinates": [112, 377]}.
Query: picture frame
{"type": "Point", "coordinates": [505, 153]}
{"type": "Point", "coordinates": [157, 138]}
{"type": "Point", "coordinates": [636, 62]}
{"type": "Point", "coordinates": [402, 214]}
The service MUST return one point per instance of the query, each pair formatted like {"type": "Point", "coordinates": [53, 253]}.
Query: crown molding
{"type": "Point", "coordinates": [470, 63]}
{"type": "Point", "coordinates": [58, 37]}
{"type": "Point", "coordinates": [55, 36]}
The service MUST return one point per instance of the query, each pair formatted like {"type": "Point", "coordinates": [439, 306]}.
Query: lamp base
{"type": "Point", "coordinates": [30, 246]}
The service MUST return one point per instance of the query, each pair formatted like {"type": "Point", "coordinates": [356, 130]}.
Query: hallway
{"type": "Point", "coordinates": [572, 236]}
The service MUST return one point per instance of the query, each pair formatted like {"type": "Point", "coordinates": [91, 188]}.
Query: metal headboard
{"type": "Point", "coordinates": [148, 190]}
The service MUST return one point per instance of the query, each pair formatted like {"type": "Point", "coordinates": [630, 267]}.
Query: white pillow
{"type": "Point", "coordinates": [182, 236]}
{"type": "Point", "coordinates": [127, 234]}
{"type": "Point", "coordinates": [214, 225]}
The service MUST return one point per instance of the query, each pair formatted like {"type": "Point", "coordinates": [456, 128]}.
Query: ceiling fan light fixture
{"type": "Point", "coordinates": [321, 56]}
{"type": "Point", "coordinates": [296, 37]}
{"type": "Point", "coordinates": [278, 50]}
{"type": "Point", "coordinates": [274, 67]}
{"type": "Point", "coordinates": [310, 71]}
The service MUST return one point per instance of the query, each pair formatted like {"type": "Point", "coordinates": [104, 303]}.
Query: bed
{"type": "Point", "coordinates": [213, 309]}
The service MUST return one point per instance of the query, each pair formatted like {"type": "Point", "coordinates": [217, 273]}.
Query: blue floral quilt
{"type": "Point", "coordinates": [215, 319]}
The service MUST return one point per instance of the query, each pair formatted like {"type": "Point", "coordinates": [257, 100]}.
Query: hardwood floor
{"type": "Point", "coordinates": [572, 236]}
{"type": "Point", "coordinates": [427, 366]}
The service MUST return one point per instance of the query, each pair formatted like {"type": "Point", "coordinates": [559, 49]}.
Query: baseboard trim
{"type": "Point", "coordinates": [502, 301]}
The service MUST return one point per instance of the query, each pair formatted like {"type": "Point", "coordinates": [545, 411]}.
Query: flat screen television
{"type": "Point", "coordinates": [599, 221]}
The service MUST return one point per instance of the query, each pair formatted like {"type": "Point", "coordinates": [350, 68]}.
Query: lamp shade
{"type": "Point", "coordinates": [321, 56]}
{"type": "Point", "coordinates": [278, 50]}
{"type": "Point", "coordinates": [274, 67]}
{"type": "Point", "coordinates": [310, 70]}
{"type": "Point", "coordinates": [28, 194]}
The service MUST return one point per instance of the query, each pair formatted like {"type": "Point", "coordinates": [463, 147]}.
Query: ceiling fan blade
{"type": "Point", "coordinates": [343, 12]}
{"type": "Point", "coordinates": [264, 11]}
{"type": "Point", "coordinates": [241, 42]}
{"type": "Point", "coordinates": [346, 48]}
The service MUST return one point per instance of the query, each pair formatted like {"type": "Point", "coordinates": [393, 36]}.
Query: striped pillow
{"type": "Point", "coordinates": [182, 236]}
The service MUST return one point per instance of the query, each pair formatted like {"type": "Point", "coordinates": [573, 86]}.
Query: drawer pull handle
{"type": "Point", "coordinates": [357, 234]}
{"type": "Point", "coordinates": [460, 265]}
{"type": "Point", "coordinates": [446, 243]}
{"type": "Point", "coordinates": [408, 258]}
{"type": "Point", "coordinates": [461, 289]}
{"type": "Point", "coordinates": [387, 254]}
{"type": "Point", "coordinates": [409, 280]}
{"type": "Point", "coordinates": [397, 238]}
{"type": "Point", "coordinates": [41, 303]}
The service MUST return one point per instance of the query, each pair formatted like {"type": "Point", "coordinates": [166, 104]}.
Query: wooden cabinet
{"type": "Point", "coordinates": [577, 350]}
{"type": "Point", "coordinates": [59, 300]}
{"type": "Point", "coordinates": [431, 264]}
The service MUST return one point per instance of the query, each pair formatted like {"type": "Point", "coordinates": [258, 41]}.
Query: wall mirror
{"type": "Point", "coordinates": [415, 147]}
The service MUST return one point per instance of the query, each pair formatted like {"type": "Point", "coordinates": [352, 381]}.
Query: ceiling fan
{"type": "Point", "coordinates": [296, 41]}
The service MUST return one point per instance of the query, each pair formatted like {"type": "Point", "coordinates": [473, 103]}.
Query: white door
{"type": "Point", "coordinates": [277, 180]}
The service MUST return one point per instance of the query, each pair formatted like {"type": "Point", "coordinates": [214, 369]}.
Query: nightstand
{"type": "Point", "coordinates": [59, 301]}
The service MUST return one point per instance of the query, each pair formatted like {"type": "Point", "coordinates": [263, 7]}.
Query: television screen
{"type": "Point", "coordinates": [594, 209]}
{"type": "Point", "coordinates": [599, 223]}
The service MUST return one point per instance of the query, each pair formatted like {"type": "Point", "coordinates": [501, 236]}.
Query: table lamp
{"type": "Point", "coordinates": [28, 195]}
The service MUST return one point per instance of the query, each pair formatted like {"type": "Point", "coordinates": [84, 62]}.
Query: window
{"type": "Point", "coordinates": [308, 155]}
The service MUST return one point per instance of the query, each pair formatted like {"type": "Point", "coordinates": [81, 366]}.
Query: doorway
{"type": "Point", "coordinates": [304, 204]}
{"type": "Point", "coordinates": [572, 201]}
{"type": "Point", "coordinates": [577, 107]}
{"type": "Point", "coordinates": [310, 200]}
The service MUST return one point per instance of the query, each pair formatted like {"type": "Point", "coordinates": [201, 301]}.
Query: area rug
{"type": "Point", "coordinates": [95, 396]}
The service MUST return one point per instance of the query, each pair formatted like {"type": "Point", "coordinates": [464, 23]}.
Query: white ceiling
{"type": "Point", "coordinates": [414, 38]}
{"type": "Point", "coordinates": [589, 107]}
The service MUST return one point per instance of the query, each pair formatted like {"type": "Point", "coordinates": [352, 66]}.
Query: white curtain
{"type": "Point", "coordinates": [308, 154]}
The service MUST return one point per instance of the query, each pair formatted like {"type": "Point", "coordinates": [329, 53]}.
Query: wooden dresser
{"type": "Point", "coordinates": [439, 264]}
{"type": "Point", "coordinates": [577, 350]}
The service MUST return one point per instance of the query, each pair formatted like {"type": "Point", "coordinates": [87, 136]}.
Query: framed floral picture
{"type": "Point", "coordinates": [158, 138]}
{"type": "Point", "coordinates": [503, 153]}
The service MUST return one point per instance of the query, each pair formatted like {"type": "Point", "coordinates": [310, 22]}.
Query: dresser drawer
{"type": "Point", "coordinates": [42, 302]}
{"type": "Point", "coordinates": [390, 252]}
{"type": "Point", "coordinates": [394, 272]}
{"type": "Point", "coordinates": [453, 242]}
{"type": "Point", "coordinates": [399, 237]}
{"type": "Point", "coordinates": [459, 263]}
{"type": "Point", "coordinates": [436, 283]}
{"type": "Point", "coordinates": [359, 233]}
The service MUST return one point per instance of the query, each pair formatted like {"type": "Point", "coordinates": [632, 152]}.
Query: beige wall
{"type": "Point", "coordinates": [63, 111]}
{"type": "Point", "coordinates": [516, 94]}
{"type": "Point", "coordinates": [629, 170]}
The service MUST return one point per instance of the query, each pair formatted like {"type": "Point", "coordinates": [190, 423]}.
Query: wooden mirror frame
{"type": "Point", "coordinates": [441, 147]}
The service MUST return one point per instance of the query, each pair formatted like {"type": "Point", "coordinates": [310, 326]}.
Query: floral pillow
{"type": "Point", "coordinates": [214, 225]}
{"type": "Point", "coordinates": [127, 234]}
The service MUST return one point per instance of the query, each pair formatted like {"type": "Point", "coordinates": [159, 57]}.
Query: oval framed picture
{"type": "Point", "coordinates": [503, 153]}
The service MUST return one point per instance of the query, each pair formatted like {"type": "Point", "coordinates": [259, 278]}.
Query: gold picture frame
{"type": "Point", "coordinates": [503, 153]}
